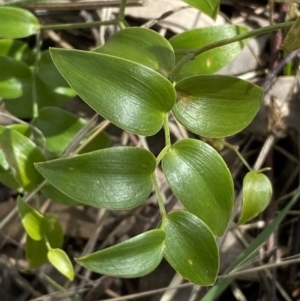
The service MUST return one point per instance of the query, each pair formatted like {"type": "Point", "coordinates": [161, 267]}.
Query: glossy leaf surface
{"type": "Point", "coordinates": [257, 192]}
{"type": "Point", "coordinates": [191, 248]}
{"type": "Point", "coordinates": [216, 106]}
{"type": "Point", "coordinates": [209, 7]}
{"type": "Point", "coordinates": [212, 60]}
{"type": "Point", "coordinates": [134, 257]}
{"type": "Point", "coordinates": [36, 250]}
{"type": "Point", "coordinates": [15, 78]}
{"type": "Point", "coordinates": [59, 127]}
{"type": "Point", "coordinates": [60, 260]}
{"type": "Point", "coordinates": [21, 153]}
{"type": "Point", "coordinates": [113, 178]}
{"type": "Point", "coordinates": [143, 46]}
{"type": "Point", "coordinates": [35, 224]}
{"type": "Point", "coordinates": [17, 23]}
{"type": "Point", "coordinates": [200, 179]}
{"type": "Point", "coordinates": [131, 96]}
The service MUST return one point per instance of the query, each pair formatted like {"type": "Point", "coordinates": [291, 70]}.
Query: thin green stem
{"type": "Point", "coordinates": [35, 106]}
{"type": "Point", "coordinates": [167, 130]}
{"type": "Point", "coordinates": [192, 53]}
{"type": "Point", "coordinates": [161, 154]}
{"type": "Point", "coordinates": [79, 25]}
{"type": "Point", "coordinates": [122, 10]}
{"type": "Point", "coordinates": [263, 169]}
{"type": "Point", "coordinates": [235, 149]}
{"type": "Point", "coordinates": [47, 243]}
{"type": "Point", "coordinates": [160, 200]}
{"type": "Point", "coordinates": [121, 17]}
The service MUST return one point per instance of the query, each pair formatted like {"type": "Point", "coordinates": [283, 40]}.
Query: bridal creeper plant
{"type": "Point", "coordinates": [135, 81]}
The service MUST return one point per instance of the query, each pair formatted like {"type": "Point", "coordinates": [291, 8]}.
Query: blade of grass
{"type": "Point", "coordinates": [222, 284]}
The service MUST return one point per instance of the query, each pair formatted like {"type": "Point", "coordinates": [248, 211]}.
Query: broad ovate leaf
{"type": "Point", "coordinates": [216, 106]}
{"type": "Point", "coordinates": [292, 40]}
{"type": "Point", "coordinates": [17, 23]}
{"type": "Point", "coordinates": [35, 224]}
{"type": "Point", "coordinates": [190, 248]}
{"type": "Point", "coordinates": [59, 127]}
{"type": "Point", "coordinates": [57, 196]}
{"type": "Point", "coordinates": [23, 107]}
{"type": "Point", "coordinates": [60, 260]}
{"type": "Point", "coordinates": [257, 193]}
{"type": "Point", "coordinates": [49, 74]}
{"type": "Point", "coordinates": [113, 178]}
{"type": "Point", "coordinates": [143, 46]}
{"type": "Point", "coordinates": [134, 257]}
{"type": "Point", "coordinates": [200, 179]}
{"type": "Point", "coordinates": [16, 49]}
{"type": "Point", "coordinates": [208, 7]}
{"type": "Point", "coordinates": [212, 60]}
{"type": "Point", "coordinates": [15, 78]}
{"type": "Point", "coordinates": [21, 153]}
{"type": "Point", "coordinates": [130, 95]}
{"type": "Point", "coordinates": [36, 250]}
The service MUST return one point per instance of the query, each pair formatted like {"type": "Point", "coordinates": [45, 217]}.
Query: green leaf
{"type": "Point", "coordinates": [208, 7]}
{"type": "Point", "coordinates": [21, 153]}
{"type": "Point", "coordinates": [113, 178]}
{"type": "Point", "coordinates": [15, 78]}
{"type": "Point", "coordinates": [201, 181]}
{"type": "Point", "coordinates": [134, 257]}
{"type": "Point", "coordinates": [248, 254]}
{"type": "Point", "coordinates": [23, 107]}
{"type": "Point", "coordinates": [7, 178]}
{"type": "Point", "coordinates": [131, 96]}
{"type": "Point", "coordinates": [48, 73]}
{"type": "Point", "coordinates": [257, 193]}
{"type": "Point", "coordinates": [36, 250]}
{"type": "Point", "coordinates": [143, 46]}
{"type": "Point", "coordinates": [35, 224]}
{"type": "Point", "coordinates": [60, 260]}
{"type": "Point", "coordinates": [23, 129]}
{"type": "Point", "coordinates": [212, 60]}
{"type": "Point", "coordinates": [292, 40]}
{"type": "Point", "coordinates": [191, 248]}
{"type": "Point", "coordinates": [216, 106]}
{"type": "Point", "coordinates": [59, 127]}
{"type": "Point", "coordinates": [16, 49]}
{"type": "Point", "coordinates": [55, 195]}
{"type": "Point", "coordinates": [17, 23]}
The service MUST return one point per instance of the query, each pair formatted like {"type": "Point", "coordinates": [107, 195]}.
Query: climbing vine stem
{"type": "Point", "coordinates": [192, 53]}
{"type": "Point", "coordinates": [235, 149]}
{"type": "Point", "coordinates": [160, 200]}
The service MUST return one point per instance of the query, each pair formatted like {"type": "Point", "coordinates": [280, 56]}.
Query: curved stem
{"type": "Point", "coordinates": [79, 25]}
{"type": "Point", "coordinates": [167, 130]}
{"type": "Point", "coordinates": [161, 154]}
{"type": "Point", "coordinates": [35, 106]}
{"type": "Point", "coordinates": [192, 53]}
{"type": "Point", "coordinates": [235, 149]}
{"type": "Point", "coordinates": [122, 10]}
{"type": "Point", "coordinates": [160, 200]}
